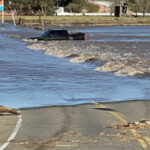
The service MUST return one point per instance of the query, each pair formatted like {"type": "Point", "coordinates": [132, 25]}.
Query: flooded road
{"type": "Point", "coordinates": [119, 33]}
{"type": "Point", "coordinates": [31, 78]}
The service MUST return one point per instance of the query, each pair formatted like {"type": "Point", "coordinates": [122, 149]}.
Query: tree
{"type": "Point", "coordinates": [144, 6]}
{"type": "Point", "coordinates": [135, 6]}
{"type": "Point", "coordinates": [76, 6]}
{"type": "Point", "coordinates": [62, 3]}
{"type": "Point", "coordinates": [16, 4]}
{"type": "Point", "coordinates": [35, 5]}
{"type": "Point", "coordinates": [141, 6]}
{"type": "Point", "coordinates": [47, 6]}
{"type": "Point", "coordinates": [91, 8]}
{"type": "Point", "coordinates": [6, 4]}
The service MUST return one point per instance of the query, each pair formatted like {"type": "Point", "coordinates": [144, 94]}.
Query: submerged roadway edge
{"type": "Point", "coordinates": [116, 125]}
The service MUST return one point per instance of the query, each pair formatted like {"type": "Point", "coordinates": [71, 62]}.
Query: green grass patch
{"type": "Point", "coordinates": [85, 20]}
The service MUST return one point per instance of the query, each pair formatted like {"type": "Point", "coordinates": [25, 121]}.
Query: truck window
{"type": "Point", "coordinates": [60, 33]}
{"type": "Point", "coordinates": [45, 34]}
{"type": "Point", "coordinates": [54, 33]}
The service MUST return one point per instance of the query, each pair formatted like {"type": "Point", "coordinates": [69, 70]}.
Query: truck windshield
{"type": "Point", "coordinates": [45, 34]}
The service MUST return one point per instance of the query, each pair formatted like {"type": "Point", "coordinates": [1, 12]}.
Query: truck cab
{"type": "Point", "coordinates": [55, 35]}
{"type": "Point", "coordinates": [60, 35]}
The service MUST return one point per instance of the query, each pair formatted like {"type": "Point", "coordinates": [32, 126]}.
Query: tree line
{"type": "Point", "coordinates": [142, 6]}
{"type": "Point", "coordinates": [48, 7]}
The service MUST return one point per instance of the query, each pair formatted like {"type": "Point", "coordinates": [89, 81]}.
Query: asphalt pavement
{"type": "Point", "coordinates": [97, 126]}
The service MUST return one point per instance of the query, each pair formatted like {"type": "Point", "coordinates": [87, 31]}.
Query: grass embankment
{"type": "Point", "coordinates": [79, 20]}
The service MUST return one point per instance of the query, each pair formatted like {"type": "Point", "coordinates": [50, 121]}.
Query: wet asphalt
{"type": "Point", "coordinates": [100, 126]}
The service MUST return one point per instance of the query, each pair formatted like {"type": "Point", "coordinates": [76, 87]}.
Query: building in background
{"type": "Point", "coordinates": [104, 5]}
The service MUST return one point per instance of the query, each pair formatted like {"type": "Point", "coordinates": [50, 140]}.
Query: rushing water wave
{"type": "Point", "coordinates": [30, 78]}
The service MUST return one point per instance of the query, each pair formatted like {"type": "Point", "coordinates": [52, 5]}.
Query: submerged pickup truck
{"type": "Point", "coordinates": [60, 35]}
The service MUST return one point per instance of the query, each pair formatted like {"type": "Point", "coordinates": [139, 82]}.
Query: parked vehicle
{"type": "Point", "coordinates": [60, 35]}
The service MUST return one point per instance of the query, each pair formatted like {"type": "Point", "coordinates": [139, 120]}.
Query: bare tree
{"type": "Point", "coordinates": [141, 6]}
{"type": "Point", "coordinates": [144, 6]}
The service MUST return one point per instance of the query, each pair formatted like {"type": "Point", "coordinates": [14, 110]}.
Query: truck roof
{"type": "Point", "coordinates": [55, 30]}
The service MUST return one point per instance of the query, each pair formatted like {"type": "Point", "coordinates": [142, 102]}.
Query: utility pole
{"type": "Point", "coordinates": [2, 9]}
{"type": "Point", "coordinates": [3, 13]}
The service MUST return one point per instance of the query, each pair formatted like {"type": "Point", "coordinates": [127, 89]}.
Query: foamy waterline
{"type": "Point", "coordinates": [122, 63]}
